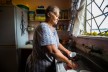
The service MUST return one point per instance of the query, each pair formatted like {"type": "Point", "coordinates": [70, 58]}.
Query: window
{"type": "Point", "coordinates": [96, 16]}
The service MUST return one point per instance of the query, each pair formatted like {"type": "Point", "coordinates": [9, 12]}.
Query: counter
{"type": "Point", "coordinates": [29, 46]}
{"type": "Point", "coordinates": [23, 53]}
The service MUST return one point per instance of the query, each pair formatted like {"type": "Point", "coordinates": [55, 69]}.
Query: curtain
{"type": "Point", "coordinates": [79, 19]}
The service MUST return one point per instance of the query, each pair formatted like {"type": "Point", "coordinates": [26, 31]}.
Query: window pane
{"type": "Point", "coordinates": [99, 19]}
{"type": "Point", "coordinates": [88, 14]}
{"type": "Point", "coordinates": [104, 26]}
{"type": "Point", "coordinates": [98, 10]}
{"type": "Point", "coordinates": [99, 2]}
{"type": "Point", "coordinates": [88, 26]}
{"type": "Point", "coordinates": [95, 10]}
{"type": "Point", "coordinates": [105, 3]}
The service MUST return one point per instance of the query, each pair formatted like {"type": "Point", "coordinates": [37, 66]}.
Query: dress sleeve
{"type": "Point", "coordinates": [47, 37]}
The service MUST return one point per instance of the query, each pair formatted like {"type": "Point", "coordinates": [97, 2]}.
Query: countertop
{"type": "Point", "coordinates": [29, 46]}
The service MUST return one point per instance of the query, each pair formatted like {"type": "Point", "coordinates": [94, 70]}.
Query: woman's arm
{"type": "Point", "coordinates": [62, 48]}
{"type": "Point", "coordinates": [57, 53]}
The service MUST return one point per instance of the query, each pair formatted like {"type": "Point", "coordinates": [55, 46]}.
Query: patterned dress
{"type": "Point", "coordinates": [40, 60]}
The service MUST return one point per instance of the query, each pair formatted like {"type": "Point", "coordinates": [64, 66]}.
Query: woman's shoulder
{"type": "Point", "coordinates": [44, 24]}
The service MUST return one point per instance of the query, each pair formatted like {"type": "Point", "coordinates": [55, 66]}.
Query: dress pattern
{"type": "Point", "coordinates": [40, 60]}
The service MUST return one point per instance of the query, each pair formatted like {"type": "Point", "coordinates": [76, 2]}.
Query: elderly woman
{"type": "Point", "coordinates": [46, 46]}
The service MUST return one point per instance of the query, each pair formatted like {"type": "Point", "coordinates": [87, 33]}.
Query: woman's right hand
{"type": "Point", "coordinates": [72, 65]}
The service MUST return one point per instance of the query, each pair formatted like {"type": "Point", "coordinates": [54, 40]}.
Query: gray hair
{"type": "Point", "coordinates": [51, 9]}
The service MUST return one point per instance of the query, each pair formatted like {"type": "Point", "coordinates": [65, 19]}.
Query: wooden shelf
{"type": "Point", "coordinates": [35, 21]}
{"type": "Point", "coordinates": [64, 19]}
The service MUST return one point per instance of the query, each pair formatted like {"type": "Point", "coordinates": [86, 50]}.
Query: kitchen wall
{"type": "Point", "coordinates": [95, 49]}
{"type": "Point", "coordinates": [33, 4]}
{"type": "Point", "coordinates": [96, 46]}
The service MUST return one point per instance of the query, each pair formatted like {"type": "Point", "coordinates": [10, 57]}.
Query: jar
{"type": "Point", "coordinates": [31, 15]}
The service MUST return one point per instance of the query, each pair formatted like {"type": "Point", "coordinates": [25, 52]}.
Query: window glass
{"type": "Point", "coordinates": [97, 16]}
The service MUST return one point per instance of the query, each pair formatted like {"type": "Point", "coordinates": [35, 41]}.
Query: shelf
{"type": "Point", "coordinates": [43, 21]}
{"type": "Point", "coordinates": [36, 21]}
{"type": "Point", "coordinates": [62, 31]}
{"type": "Point", "coordinates": [64, 19]}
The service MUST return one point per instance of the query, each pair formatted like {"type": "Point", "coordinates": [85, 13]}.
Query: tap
{"type": "Point", "coordinates": [96, 50]}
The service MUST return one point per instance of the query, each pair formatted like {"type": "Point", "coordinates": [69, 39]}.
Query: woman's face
{"type": "Point", "coordinates": [54, 17]}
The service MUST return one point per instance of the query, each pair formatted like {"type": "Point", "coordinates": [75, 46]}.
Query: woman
{"type": "Point", "coordinates": [46, 47]}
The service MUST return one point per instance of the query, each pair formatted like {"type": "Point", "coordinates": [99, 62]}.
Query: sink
{"type": "Point", "coordinates": [71, 70]}
{"type": "Point", "coordinates": [85, 65]}
{"type": "Point", "coordinates": [78, 71]}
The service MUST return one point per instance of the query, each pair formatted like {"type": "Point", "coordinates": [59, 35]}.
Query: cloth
{"type": "Point", "coordinates": [79, 20]}
{"type": "Point", "coordinates": [40, 60]}
{"type": "Point", "coordinates": [60, 67]}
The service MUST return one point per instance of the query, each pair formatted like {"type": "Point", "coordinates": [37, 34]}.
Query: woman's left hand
{"type": "Point", "coordinates": [68, 53]}
{"type": "Point", "coordinates": [71, 54]}
{"type": "Point", "coordinates": [72, 65]}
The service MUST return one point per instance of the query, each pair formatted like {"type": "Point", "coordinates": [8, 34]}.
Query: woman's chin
{"type": "Point", "coordinates": [55, 23]}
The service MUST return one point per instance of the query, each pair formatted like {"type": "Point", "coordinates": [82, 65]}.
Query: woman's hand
{"type": "Point", "coordinates": [68, 52]}
{"type": "Point", "coordinates": [72, 65]}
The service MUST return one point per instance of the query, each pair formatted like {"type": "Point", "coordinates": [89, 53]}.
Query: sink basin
{"type": "Point", "coordinates": [78, 71]}
{"type": "Point", "coordinates": [85, 65]}
{"type": "Point", "coordinates": [84, 71]}
{"type": "Point", "coordinates": [71, 70]}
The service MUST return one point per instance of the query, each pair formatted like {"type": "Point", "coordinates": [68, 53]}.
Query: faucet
{"type": "Point", "coordinates": [96, 50]}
